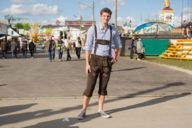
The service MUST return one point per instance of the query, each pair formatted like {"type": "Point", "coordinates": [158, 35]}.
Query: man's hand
{"type": "Point", "coordinates": [115, 56]}
{"type": "Point", "coordinates": [87, 69]}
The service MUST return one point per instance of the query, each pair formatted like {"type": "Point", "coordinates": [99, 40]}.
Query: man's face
{"type": "Point", "coordinates": [105, 17]}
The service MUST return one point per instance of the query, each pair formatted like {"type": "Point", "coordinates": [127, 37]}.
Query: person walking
{"type": "Point", "coordinates": [13, 47]}
{"type": "Point", "coordinates": [68, 46]}
{"type": "Point", "coordinates": [17, 48]}
{"type": "Point", "coordinates": [32, 47]}
{"type": "Point", "coordinates": [140, 49]}
{"type": "Point", "coordinates": [102, 49]}
{"type": "Point", "coordinates": [4, 48]}
{"type": "Point", "coordinates": [132, 48]}
{"type": "Point", "coordinates": [24, 48]}
{"type": "Point", "coordinates": [78, 45]}
{"type": "Point", "coordinates": [51, 50]}
{"type": "Point", "coordinates": [60, 48]}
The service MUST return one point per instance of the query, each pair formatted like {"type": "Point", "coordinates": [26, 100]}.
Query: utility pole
{"type": "Point", "coordinates": [115, 13]}
{"type": "Point", "coordinates": [182, 13]}
{"type": "Point", "coordinates": [93, 11]}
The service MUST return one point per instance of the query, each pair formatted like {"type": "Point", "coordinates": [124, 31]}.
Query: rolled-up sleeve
{"type": "Point", "coordinates": [90, 39]}
{"type": "Point", "coordinates": [116, 40]}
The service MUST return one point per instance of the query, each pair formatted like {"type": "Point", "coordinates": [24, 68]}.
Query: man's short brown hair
{"type": "Point", "coordinates": [107, 10]}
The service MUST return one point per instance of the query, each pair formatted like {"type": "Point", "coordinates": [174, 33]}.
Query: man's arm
{"type": "Point", "coordinates": [88, 48]}
{"type": "Point", "coordinates": [87, 60]}
{"type": "Point", "coordinates": [117, 47]}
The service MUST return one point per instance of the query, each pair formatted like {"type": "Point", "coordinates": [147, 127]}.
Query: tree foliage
{"type": "Point", "coordinates": [48, 31]}
{"type": "Point", "coordinates": [25, 26]}
{"type": "Point", "coordinates": [35, 37]}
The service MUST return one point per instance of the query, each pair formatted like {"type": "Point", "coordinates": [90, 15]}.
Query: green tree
{"type": "Point", "coordinates": [25, 26]}
{"type": "Point", "coordinates": [19, 26]}
{"type": "Point", "coordinates": [48, 31]}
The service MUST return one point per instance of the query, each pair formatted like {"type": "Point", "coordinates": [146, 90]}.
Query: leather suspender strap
{"type": "Point", "coordinates": [95, 39]}
{"type": "Point", "coordinates": [110, 47]}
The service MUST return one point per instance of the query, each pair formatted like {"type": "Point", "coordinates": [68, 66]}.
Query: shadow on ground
{"type": "Point", "coordinates": [127, 69]}
{"type": "Point", "coordinates": [10, 109]}
{"type": "Point", "coordinates": [69, 122]}
{"type": "Point", "coordinates": [15, 118]}
{"type": "Point", "coordinates": [3, 85]}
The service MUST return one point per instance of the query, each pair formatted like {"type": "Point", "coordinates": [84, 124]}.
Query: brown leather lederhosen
{"type": "Point", "coordinates": [100, 67]}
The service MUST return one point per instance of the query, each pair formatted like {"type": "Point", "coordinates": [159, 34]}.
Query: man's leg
{"type": "Point", "coordinates": [82, 114]}
{"type": "Point", "coordinates": [12, 53]}
{"type": "Point", "coordinates": [32, 53]}
{"type": "Point", "coordinates": [79, 53]}
{"type": "Point", "coordinates": [76, 51]}
{"type": "Point", "coordinates": [131, 53]}
{"type": "Point", "coordinates": [4, 53]}
{"type": "Point", "coordinates": [91, 82]}
{"type": "Point", "coordinates": [86, 100]}
{"type": "Point", "coordinates": [50, 56]}
{"type": "Point", "coordinates": [68, 54]}
{"type": "Point", "coordinates": [103, 82]}
{"type": "Point", "coordinates": [53, 54]}
{"type": "Point", "coordinates": [100, 107]}
{"type": "Point", "coordinates": [101, 102]}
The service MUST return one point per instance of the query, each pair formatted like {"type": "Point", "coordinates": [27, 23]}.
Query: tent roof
{"type": "Point", "coordinates": [163, 26]}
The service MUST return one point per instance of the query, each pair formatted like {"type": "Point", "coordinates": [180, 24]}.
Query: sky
{"type": "Point", "coordinates": [48, 11]}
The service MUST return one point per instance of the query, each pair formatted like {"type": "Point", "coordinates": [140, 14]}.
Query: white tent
{"type": "Point", "coordinates": [12, 32]}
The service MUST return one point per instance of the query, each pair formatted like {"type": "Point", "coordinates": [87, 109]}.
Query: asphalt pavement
{"type": "Point", "coordinates": [36, 93]}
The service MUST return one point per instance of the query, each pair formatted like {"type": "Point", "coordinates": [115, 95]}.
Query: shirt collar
{"type": "Point", "coordinates": [101, 27]}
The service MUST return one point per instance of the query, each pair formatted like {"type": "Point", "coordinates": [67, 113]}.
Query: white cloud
{"type": "Point", "coordinates": [62, 19]}
{"type": "Point", "coordinates": [120, 2]}
{"type": "Point", "coordinates": [130, 20]}
{"type": "Point", "coordinates": [177, 21]}
{"type": "Point", "coordinates": [187, 14]}
{"type": "Point", "coordinates": [53, 20]}
{"type": "Point", "coordinates": [16, 9]}
{"type": "Point", "coordinates": [83, 6]}
{"type": "Point", "coordinates": [21, 1]}
{"type": "Point", "coordinates": [36, 9]}
{"type": "Point", "coordinates": [44, 9]}
{"type": "Point", "coordinates": [47, 22]}
{"type": "Point", "coordinates": [120, 20]}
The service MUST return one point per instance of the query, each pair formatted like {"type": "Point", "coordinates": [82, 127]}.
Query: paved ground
{"type": "Point", "coordinates": [38, 94]}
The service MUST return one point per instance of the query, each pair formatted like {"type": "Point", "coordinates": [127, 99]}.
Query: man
{"type": "Point", "coordinates": [51, 49]}
{"type": "Point", "coordinates": [132, 48]}
{"type": "Point", "coordinates": [68, 46]}
{"type": "Point", "coordinates": [13, 47]}
{"type": "Point", "coordinates": [102, 49]}
{"type": "Point", "coordinates": [60, 48]}
{"type": "Point", "coordinates": [78, 45]}
{"type": "Point", "coordinates": [140, 48]}
{"type": "Point", "coordinates": [4, 48]}
{"type": "Point", "coordinates": [32, 48]}
{"type": "Point", "coordinates": [24, 48]}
